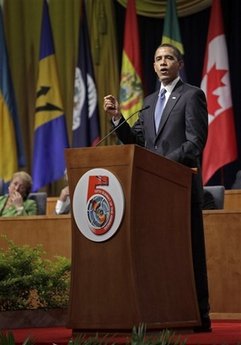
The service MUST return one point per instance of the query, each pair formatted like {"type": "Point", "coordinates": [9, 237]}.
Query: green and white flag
{"type": "Point", "coordinates": [171, 32]}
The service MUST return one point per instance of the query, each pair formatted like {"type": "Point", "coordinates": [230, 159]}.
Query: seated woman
{"type": "Point", "coordinates": [15, 203]}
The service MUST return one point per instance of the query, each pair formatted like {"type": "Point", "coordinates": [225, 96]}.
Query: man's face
{"type": "Point", "coordinates": [166, 65]}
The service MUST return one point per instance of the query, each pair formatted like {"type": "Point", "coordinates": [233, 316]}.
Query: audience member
{"type": "Point", "coordinates": [63, 203]}
{"type": "Point", "coordinates": [16, 202]}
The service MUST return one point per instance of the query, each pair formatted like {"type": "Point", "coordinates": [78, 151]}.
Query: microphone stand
{"type": "Point", "coordinates": [120, 124]}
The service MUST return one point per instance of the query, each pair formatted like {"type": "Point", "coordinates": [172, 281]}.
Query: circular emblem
{"type": "Point", "coordinates": [100, 214]}
{"type": "Point", "coordinates": [98, 204]}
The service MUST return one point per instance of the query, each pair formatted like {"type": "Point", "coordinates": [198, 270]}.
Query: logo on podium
{"type": "Point", "coordinates": [98, 204]}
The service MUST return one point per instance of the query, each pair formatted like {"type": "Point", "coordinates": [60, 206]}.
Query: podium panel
{"type": "Point", "coordinates": [144, 272]}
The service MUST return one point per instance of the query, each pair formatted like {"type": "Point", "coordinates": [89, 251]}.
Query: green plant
{"type": "Point", "coordinates": [93, 340]}
{"type": "Point", "coordinates": [8, 339]}
{"type": "Point", "coordinates": [139, 336]}
{"type": "Point", "coordinates": [28, 281]}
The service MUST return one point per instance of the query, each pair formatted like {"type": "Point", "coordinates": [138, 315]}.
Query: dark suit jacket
{"type": "Point", "coordinates": [182, 133]}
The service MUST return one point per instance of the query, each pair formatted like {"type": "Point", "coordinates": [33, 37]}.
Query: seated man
{"type": "Point", "coordinates": [63, 203]}
{"type": "Point", "coordinates": [15, 203]}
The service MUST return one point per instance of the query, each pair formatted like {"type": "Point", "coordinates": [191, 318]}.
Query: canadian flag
{"type": "Point", "coordinates": [221, 146]}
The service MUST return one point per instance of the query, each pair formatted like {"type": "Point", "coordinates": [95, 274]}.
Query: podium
{"type": "Point", "coordinates": [144, 272]}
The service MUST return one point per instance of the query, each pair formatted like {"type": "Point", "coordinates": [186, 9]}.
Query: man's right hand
{"type": "Point", "coordinates": [112, 107]}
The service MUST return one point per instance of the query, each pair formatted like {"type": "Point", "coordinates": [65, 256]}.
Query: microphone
{"type": "Point", "coordinates": [120, 124]}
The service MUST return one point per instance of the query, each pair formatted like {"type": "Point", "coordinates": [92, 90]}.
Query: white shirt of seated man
{"type": "Point", "coordinates": [63, 203]}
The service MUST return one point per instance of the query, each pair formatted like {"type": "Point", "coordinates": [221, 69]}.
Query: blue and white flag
{"type": "Point", "coordinates": [85, 129]}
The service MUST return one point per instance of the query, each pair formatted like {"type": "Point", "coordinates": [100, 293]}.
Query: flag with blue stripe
{"type": "Point", "coordinates": [11, 145]}
{"type": "Point", "coordinates": [50, 134]}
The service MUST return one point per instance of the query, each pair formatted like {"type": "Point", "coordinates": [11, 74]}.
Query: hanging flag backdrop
{"type": "Point", "coordinates": [221, 147]}
{"type": "Point", "coordinates": [11, 145]}
{"type": "Point", "coordinates": [50, 136]}
{"type": "Point", "coordinates": [131, 90]}
{"type": "Point", "coordinates": [85, 127]}
{"type": "Point", "coordinates": [171, 32]}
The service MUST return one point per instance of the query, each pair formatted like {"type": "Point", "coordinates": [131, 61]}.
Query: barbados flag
{"type": "Point", "coordinates": [11, 146]}
{"type": "Point", "coordinates": [50, 135]}
{"type": "Point", "coordinates": [131, 91]}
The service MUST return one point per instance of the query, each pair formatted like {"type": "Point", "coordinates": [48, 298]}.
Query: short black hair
{"type": "Point", "coordinates": [177, 52]}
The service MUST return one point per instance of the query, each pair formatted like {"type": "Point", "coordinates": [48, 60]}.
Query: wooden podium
{"type": "Point", "coordinates": [144, 272]}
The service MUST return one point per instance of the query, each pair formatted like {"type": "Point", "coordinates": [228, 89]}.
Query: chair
{"type": "Point", "coordinates": [41, 201]}
{"type": "Point", "coordinates": [1, 186]}
{"type": "Point", "coordinates": [217, 193]}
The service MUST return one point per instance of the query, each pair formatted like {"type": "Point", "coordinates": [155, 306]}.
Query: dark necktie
{"type": "Point", "coordinates": [159, 108]}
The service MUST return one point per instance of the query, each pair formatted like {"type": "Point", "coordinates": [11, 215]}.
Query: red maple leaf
{"type": "Point", "coordinates": [214, 81]}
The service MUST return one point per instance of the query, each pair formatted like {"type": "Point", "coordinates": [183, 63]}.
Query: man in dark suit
{"type": "Point", "coordinates": [180, 135]}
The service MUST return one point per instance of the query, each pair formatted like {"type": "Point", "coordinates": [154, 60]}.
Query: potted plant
{"type": "Point", "coordinates": [31, 285]}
